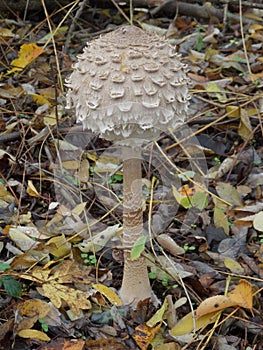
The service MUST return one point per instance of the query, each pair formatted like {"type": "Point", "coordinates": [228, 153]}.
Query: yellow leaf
{"type": "Point", "coordinates": [30, 311]}
{"type": "Point", "coordinates": [27, 54]}
{"type": "Point", "coordinates": [168, 346]}
{"type": "Point", "coordinates": [233, 111]}
{"type": "Point", "coordinates": [52, 287]}
{"type": "Point", "coordinates": [40, 99]}
{"type": "Point", "coordinates": [186, 324]}
{"type": "Point", "coordinates": [31, 190]}
{"type": "Point", "coordinates": [79, 208]}
{"type": "Point", "coordinates": [242, 294]}
{"type": "Point", "coordinates": [108, 293]}
{"type": "Point", "coordinates": [214, 304]}
{"type": "Point", "coordinates": [76, 299]}
{"type": "Point", "coordinates": [33, 334]}
{"type": "Point", "coordinates": [59, 246]}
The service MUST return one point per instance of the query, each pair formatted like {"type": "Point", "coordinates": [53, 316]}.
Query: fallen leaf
{"type": "Point", "coordinates": [52, 286]}
{"type": "Point", "coordinates": [229, 193]}
{"type": "Point", "coordinates": [186, 325]}
{"type": "Point", "coordinates": [33, 334]}
{"type": "Point", "coordinates": [245, 127]}
{"type": "Point", "coordinates": [31, 190]}
{"type": "Point", "coordinates": [144, 335]}
{"type": "Point", "coordinates": [103, 344]}
{"type": "Point", "coordinates": [29, 312]}
{"type": "Point", "coordinates": [27, 54]}
{"type": "Point", "coordinates": [59, 246]}
{"type": "Point", "coordinates": [58, 293]}
{"type": "Point", "coordinates": [169, 244]}
{"type": "Point", "coordinates": [158, 316]}
{"type": "Point", "coordinates": [214, 304]}
{"type": "Point", "coordinates": [108, 293]}
{"type": "Point", "coordinates": [242, 294]}
{"type": "Point", "coordinates": [233, 266]}
{"type": "Point", "coordinates": [22, 240]}
{"type": "Point", "coordinates": [99, 240]}
{"type": "Point", "coordinates": [258, 221]}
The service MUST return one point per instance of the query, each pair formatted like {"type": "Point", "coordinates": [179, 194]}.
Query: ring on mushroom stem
{"type": "Point", "coordinates": [128, 86]}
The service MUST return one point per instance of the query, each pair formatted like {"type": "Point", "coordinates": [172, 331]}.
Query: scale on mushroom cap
{"type": "Point", "coordinates": [128, 86]}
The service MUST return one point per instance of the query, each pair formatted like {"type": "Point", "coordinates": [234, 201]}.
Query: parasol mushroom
{"type": "Point", "coordinates": [128, 86]}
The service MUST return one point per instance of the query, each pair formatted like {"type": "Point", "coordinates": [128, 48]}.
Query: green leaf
{"type": "Point", "coordinates": [138, 248]}
{"type": "Point", "coordinates": [199, 200]}
{"type": "Point", "coordinates": [4, 266]}
{"type": "Point", "coordinates": [12, 287]}
{"type": "Point", "coordinates": [158, 316]}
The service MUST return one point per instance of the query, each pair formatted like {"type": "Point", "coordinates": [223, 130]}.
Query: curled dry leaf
{"type": "Point", "coordinates": [108, 293]}
{"type": "Point", "coordinates": [214, 304]}
{"type": "Point", "coordinates": [170, 245]}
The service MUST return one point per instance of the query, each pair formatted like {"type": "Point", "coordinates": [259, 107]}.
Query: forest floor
{"type": "Point", "coordinates": [60, 191]}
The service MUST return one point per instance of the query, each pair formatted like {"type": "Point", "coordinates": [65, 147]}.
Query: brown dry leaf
{"type": "Point", "coordinates": [144, 335]}
{"type": "Point", "coordinates": [245, 127]}
{"type": "Point", "coordinates": [186, 324]}
{"type": "Point", "coordinates": [214, 304]}
{"type": "Point", "coordinates": [53, 287]}
{"type": "Point", "coordinates": [22, 262]}
{"type": "Point", "coordinates": [83, 173]}
{"type": "Point", "coordinates": [29, 312]}
{"type": "Point", "coordinates": [104, 344]}
{"type": "Point", "coordinates": [27, 54]}
{"type": "Point", "coordinates": [65, 344]}
{"type": "Point", "coordinates": [4, 194]}
{"type": "Point", "coordinates": [33, 334]}
{"type": "Point", "coordinates": [58, 293]}
{"type": "Point", "coordinates": [169, 244]}
{"type": "Point", "coordinates": [242, 294]}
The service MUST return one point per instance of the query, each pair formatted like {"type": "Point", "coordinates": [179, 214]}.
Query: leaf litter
{"type": "Point", "coordinates": [61, 193]}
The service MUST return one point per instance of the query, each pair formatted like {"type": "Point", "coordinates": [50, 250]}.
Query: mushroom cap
{"type": "Point", "coordinates": [129, 84]}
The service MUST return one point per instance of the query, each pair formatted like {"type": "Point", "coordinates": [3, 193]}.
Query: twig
{"type": "Point", "coordinates": [73, 24]}
{"type": "Point", "coordinates": [54, 45]}
{"type": "Point", "coordinates": [121, 11]}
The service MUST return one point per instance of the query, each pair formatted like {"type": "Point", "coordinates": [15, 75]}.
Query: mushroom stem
{"type": "Point", "coordinates": [135, 283]}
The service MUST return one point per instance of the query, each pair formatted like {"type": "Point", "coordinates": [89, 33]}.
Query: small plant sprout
{"type": "Point", "coordinates": [188, 247]}
{"type": "Point", "coordinates": [89, 259]}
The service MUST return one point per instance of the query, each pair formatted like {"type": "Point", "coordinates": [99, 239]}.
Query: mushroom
{"type": "Point", "coordinates": [128, 86]}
